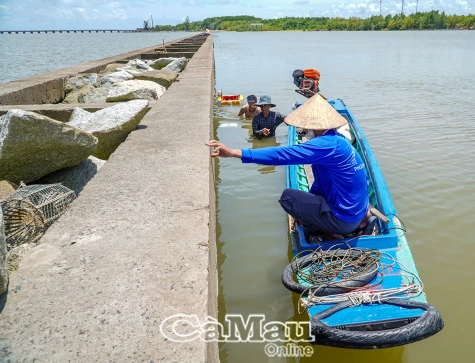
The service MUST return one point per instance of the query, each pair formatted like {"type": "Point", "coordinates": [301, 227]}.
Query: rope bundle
{"type": "Point", "coordinates": [333, 266]}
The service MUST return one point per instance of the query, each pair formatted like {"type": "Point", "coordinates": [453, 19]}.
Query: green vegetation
{"type": "Point", "coordinates": [423, 21]}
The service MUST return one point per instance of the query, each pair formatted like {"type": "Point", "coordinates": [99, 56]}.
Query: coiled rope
{"type": "Point", "coordinates": [335, 265]}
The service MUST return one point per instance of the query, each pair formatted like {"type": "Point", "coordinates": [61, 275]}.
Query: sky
{"type": "Point", "coordinates": [128, 14]}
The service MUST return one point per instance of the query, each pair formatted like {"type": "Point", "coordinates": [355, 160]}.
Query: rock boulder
{"type": "Point", "coordinates": [73, 96]}
{"type": "Point", "coordinates": [79, 115]}
{"type": "Point", "coordinates": [161, 62]}
{"type": "Point", "coordinates": [139, 65]}
{"type": "Point", "coordinates": [107, 80]}
{"type": "Point", "coordinates": [95, 95]}
{"type": "Point", "coordinates": [75, 177]}
{"type": "Point", "coordinates": [110, 125]}
{"type": "Point", "coordinates": [33, 145]}
{"type": "Point", "coordinates": [87, 94]}
{"type": "Point", "coordinates": [73, 83]}
{"type": "Point", "coordinates": [177, 65]}
{"type": "Point", "coordinates": [113, 67]}
{"type": "Point", "coordinates": [135, 90]}
{"type": "Point", "coordinates": [163, 78]}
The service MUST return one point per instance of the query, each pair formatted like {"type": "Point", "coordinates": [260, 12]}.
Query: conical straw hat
{"type": "Point", "coordinates": [315, 114]}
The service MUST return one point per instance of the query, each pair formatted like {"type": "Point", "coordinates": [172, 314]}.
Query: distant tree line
{"type": "Point", "coordinates": [423, 21]}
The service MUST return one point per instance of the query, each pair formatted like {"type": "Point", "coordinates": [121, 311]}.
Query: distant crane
{"type": "Point", "coordinates": [417, 2]}
{"type": "Point", "coordinates": [402, 8]}
{"type": "Point", "coordinates": [380, 1]}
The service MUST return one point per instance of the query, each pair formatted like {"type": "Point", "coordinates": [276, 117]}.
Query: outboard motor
{"type": "Point", "coordinates": [307, 81]}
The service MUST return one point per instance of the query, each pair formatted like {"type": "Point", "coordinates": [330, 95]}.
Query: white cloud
{"type": "Point", "coordinates": [113, 4]}
{"type": "Point", "coordinates": [129, 14]}
{"type": "Point", "coordinates": [301, 2]}
{"type": "Point", "coordinates": [465, 5]}
{"type": "Point", "coordinates": [63, 14]}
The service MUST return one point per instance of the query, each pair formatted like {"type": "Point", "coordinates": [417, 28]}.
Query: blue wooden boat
{"type": "Point", "coordinates": [394, 321]}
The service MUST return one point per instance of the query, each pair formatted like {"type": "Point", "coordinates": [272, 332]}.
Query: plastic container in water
{"type": "Point", "coordinates": [229, 99]}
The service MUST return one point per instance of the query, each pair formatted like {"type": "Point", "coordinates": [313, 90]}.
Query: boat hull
{"type": "Point", "coordinates": [367, 326]}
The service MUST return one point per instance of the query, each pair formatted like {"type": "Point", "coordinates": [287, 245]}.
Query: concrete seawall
{"type": "Point", "coordinates": [49, 87]}
{"type": "Point", "coordinates": [136, 247]}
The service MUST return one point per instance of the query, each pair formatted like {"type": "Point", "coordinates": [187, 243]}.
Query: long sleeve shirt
{"type": "Point", "coordinates": [339, 171]}
{"type": "Point", "coordinates": [270, 122]}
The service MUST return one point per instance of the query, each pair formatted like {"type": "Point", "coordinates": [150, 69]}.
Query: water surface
{"type": "Point", "coordinates": [412, 93]}
{"type": "Point", "coordinates": [28, 54]}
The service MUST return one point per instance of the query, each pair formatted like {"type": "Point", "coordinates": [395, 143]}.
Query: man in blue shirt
{"type": "Point", "coordinates": [338, 199]}
{"type": "Point", "coordinates": [265, 122]}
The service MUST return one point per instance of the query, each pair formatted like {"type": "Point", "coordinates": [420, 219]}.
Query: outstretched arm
{"type": "Point", "coordinates": [241, 111]}
{"type": "Point", "coordinates": [223, 151]}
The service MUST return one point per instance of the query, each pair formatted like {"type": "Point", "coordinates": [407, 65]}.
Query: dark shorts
{"type": "Point", "coordinates": [313, 213]}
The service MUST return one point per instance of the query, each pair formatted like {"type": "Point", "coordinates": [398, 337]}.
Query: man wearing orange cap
{"type": "Point", "coordinates": [338, 199]}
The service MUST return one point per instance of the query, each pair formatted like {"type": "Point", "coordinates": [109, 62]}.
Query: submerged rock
{"type": "Point", "coordinates": [135, 90]}
{"type": "Point", "coordinates": [3, 257]}
{"type": "Point", "coordinates": [110, 125]}
{"type": "Point", "coordinates": [177, 65]}
{"type": "Point", "coordinates": [77, 82]}
{"type": "Point", "coordinates": [163, 78]}
{"type": "Point", "coordinates": [75, 177]}
{"type": "Point", "coordinates": [33, 145]}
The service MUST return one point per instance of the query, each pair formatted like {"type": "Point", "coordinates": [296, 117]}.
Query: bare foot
{"type": "Point", "coordinates": [292, 224]}
{"type": "Point", "coordinates": [363, 224]}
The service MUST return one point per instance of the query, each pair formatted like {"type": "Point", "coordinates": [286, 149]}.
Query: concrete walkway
{"type": "Point", "coordinates": [137, 246]}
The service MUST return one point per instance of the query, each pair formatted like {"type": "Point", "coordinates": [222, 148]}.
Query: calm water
{"type": "Point", "coordinates": [25, 55]}
{"type": "Point", "coordinates": [413, 95]}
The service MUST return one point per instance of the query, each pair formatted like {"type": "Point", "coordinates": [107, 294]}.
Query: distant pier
{"type": "Point", "coordinates": [69, 31]}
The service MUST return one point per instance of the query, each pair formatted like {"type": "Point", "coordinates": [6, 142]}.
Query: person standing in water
{"type": "Point", "coordinates": [250, 110]}
{"type": "Point", "coordinates": [265, 122]}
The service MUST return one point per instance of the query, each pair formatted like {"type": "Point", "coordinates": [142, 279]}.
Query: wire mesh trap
{"type": "Point", "coordinates": [30, 210]}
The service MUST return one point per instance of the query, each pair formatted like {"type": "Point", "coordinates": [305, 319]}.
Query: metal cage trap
{"type": "Point", "coordinates": [30, 210]}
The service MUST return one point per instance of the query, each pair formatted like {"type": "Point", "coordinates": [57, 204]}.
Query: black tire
{"type": "Point", "coordinates": [423, 327]}
{"type": "Point", "coordinates": [337, 288]}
